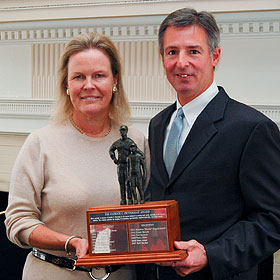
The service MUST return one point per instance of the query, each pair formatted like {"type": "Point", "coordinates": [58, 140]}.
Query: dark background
{"type": "Point", "coordinates": [12, 257]}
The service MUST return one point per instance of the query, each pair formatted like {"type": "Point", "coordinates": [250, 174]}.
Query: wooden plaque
{"type": "Point", "coordinates": [129, 234]}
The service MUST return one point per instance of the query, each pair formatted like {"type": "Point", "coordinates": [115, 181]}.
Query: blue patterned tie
{"type": "Point", "coordinates": [172, 145]}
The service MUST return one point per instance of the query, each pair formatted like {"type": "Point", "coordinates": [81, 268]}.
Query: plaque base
{"type": "Point", "coordinates": [91, 261]}
{"type": "Point", "coordinates": [131, 234]}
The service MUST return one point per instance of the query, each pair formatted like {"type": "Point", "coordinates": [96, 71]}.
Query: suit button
{"type": "Point", "coordinates": [168, 191]}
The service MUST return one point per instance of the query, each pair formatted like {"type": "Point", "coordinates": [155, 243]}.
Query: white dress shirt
{"type": "Point", "coordinates": [191, 112]}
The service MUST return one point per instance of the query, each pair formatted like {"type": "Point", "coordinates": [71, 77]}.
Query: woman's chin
{"type": "Point", "coordinates": [93, 111]}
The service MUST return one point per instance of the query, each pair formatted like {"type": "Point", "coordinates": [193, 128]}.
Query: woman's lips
{"type": "Point", "coordinates": [90, 97]}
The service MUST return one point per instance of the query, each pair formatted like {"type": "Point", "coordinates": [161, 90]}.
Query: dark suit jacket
{"type": "Point", "coordinates": [227, 182]}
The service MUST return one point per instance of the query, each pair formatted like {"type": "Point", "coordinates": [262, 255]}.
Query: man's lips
{"type": "Point", "coordinates": [183, 75]}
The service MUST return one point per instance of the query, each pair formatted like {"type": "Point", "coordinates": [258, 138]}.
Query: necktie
{"type": "Point", "coordinates": [172, 145]}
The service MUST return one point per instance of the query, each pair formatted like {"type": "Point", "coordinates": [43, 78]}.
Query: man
{"type": "Point", "coordinates": [226, 176]}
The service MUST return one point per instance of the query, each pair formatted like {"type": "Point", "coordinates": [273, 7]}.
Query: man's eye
{"type": "Point", "coordinates": [99, 75]}
{"type": "Point", "coordinates": [194, 51]}
{"type": "Point", "coordinates": [171, 52]}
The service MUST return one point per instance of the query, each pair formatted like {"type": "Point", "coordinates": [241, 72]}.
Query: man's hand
{"type": "Point", "coordinates": [196, 258]}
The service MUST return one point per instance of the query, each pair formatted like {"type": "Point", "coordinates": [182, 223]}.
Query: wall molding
{"type": "Point", "coordinates": [35, 113]}
{"type": "Point", "coordinates": [134, 33]}
{"type": "Point", "coordinates": [26, 108]}
{"type": "Point", "coordinates": [32, 10]}
{"type": "Point", "coordinates": [246, 24]}
{"type": "Point", "coordinates": [88, 4]}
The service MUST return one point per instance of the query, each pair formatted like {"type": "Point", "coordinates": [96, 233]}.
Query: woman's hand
{"type": "Point", "coordinates": [80, 246]}
{"type": "Point", "coordinates": [43, 237]}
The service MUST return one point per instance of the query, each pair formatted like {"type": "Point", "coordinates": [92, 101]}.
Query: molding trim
{"type": "Point", "coordinates": [247, 24]}
{"type": "Point", "coordinates": [144, 111]}
{"type": "Point", "coordinates": [89, 4]}
{"type": "Point", "coordinates": [24, 116]}
{"type": "Point", "coordinates": [28, 10]}
{"type": "Point", "coordinates": [26, 108]}
{"type": "Point", "coordinates": [271, 111]}
{"type": "Point", "coordinates": [117, 33]}
{"type": "Point", "coordinates": [134, 33]}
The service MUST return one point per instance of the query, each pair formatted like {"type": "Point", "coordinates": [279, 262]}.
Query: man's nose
{"type": "Point", "coordinates": [183, 60]}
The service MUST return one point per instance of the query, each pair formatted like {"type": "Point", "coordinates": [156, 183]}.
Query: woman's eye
{"type": "Point", "coordinates": [79, 77]}
{"type": "Point", "coordinates": [99, 75]}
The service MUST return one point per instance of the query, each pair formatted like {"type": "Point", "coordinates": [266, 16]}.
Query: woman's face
{"type": "Point", "coordinates": [90, 82]}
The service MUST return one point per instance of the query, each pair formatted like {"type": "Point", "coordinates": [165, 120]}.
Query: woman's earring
{"type": "Point", "coordinates": [115, 89]}
{"type": "Point", "coordinates": [67, 91]}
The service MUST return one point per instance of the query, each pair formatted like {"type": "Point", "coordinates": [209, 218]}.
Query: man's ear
{"type": "Point", "coordinates": [216, 56]}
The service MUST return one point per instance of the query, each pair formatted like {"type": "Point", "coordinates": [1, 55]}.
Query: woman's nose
{"type": "Point", "coordinates": [89, 83]}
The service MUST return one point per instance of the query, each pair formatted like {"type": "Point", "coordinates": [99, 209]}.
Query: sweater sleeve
{"type": "Point", "coordinates": [27, 181]}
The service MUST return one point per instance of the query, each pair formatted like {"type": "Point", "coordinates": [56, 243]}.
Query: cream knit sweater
{"type": "Point", "coordinates": [58, 175]}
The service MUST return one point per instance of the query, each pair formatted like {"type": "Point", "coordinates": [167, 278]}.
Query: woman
{"type": "Point", "coordinates": [65, 168]}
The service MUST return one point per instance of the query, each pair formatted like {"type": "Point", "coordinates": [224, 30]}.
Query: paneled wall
{"type": "Point", "coordinates": [45, 58]}
{"type": "Point", "coordinates": [144, 78]}
{"type": "Point", "coordinates": [249, 68]}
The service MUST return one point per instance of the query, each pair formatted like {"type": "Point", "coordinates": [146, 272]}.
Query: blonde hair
{"type": "Point", "coordinates": [119, 111]}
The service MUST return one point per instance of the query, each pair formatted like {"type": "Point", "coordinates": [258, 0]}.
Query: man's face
{"type": "Point", "coordinates": [187, 61]}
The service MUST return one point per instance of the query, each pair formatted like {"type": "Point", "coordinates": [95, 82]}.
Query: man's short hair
{"type": "Point", "coordinates": [186, 17]}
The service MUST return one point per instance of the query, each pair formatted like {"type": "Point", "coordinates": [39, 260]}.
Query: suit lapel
{"type": "Point", "coordinates": [160, 129]}
{"type": "Point", "coordinates": [202, 132]}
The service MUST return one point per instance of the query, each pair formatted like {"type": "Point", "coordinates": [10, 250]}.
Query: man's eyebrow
{"type": "Point", "coordinates": [187, 47]}
{"type": "Point", "coordinates": [194, 47]}
{"type": "Point", "coordinates": [171, 47]}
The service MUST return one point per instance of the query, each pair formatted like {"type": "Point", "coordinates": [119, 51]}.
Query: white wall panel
{"type": "Point", "coordinates": [249, 69]}
{"type": "Point", "coordinates": [15, 71]}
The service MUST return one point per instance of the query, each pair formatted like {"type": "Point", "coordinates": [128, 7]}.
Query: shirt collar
{"type": "Point", "coordinates": [196, 106]}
